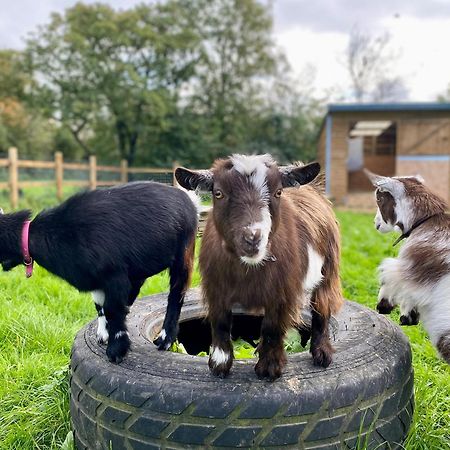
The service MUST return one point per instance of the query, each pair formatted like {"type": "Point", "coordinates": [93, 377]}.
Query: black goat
{"type": "Point", "coordinates": [109, 241]}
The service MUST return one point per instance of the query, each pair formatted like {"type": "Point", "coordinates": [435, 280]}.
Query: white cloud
{"type": "Point", "coordinates": [422, 45]}
{"type": "Point", "coordinates": [312, 32]}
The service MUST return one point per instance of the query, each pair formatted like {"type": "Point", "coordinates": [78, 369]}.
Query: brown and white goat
{"type": "Point", "coordinates": [419, 279]}
{"type": "Point", "coordinates": [267, 248]}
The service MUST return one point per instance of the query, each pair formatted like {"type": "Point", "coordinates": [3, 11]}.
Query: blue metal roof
{"type": "Point", "coordinates": [370, 107]}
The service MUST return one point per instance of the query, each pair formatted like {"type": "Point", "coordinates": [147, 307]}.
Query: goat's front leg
{"type": "Point", "coordinates": [115, 308]}
{"type": "Point", "coordinates": [272, 356]}
{"type": "Point", "coordinates": [390, 275]}
{"type": "Point", "coordinates": [221, 353]}
{"type": "Point", "coordinates": [180, 277]}
{"type": "Point", "coordinates": [408, 315]}
{"type": "Point", "coordinates": [386, 302]}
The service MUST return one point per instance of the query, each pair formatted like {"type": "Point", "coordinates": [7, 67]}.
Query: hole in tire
{"type": "Point", "coordinates": [195, 334]}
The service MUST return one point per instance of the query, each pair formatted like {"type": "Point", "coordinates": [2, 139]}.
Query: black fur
{"type": "Point", "coordinates": [112, 240]}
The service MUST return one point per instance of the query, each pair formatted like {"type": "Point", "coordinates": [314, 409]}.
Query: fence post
{"type": "Point", "coordinates": [123, 171]}
{"type": "Point", "coordinates": [59, 175]}
{"type": "Point", "coordinates": [13, 177]}
{"type": "Point", "coordinates": [174, 166]}
{"type": "Point", "coordinates": [92, 172]}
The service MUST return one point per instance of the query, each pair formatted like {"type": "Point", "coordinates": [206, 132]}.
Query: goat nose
{"type": "Point", "coordinates": [252, 237]}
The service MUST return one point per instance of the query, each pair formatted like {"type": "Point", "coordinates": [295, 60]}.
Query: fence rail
{"type": "Point", "coordinates": [13, 163]}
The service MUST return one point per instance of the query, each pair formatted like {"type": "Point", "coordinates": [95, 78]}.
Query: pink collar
{"type": "Point", "coordinates": [27, 259]}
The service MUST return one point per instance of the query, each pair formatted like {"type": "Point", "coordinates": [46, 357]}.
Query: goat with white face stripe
{"type": "Point", "coordinates": [267, 247]}
{"type": "Point", "coordinates": [419, 279]}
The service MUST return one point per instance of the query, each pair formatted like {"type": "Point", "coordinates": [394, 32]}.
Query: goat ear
{"type": "Point", "coordinates": [1, 211]}
{"type": "Point", "coordinates": [385, 184]}
{"type": "Point", "coordinates": [419, 178]}
{"type": "Point", "coordinates": [194, 179]}
{"type": "Point", "coordinates": [293, 175]}
{"type": "Point", "coordinates": [377, 180]}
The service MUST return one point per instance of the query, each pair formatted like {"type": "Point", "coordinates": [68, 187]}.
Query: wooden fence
{"type": "Point", "coordinates": [13, 163]}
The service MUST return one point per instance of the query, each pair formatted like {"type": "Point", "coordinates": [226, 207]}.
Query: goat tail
{"type": "Point", "coordinates": [195, 199]}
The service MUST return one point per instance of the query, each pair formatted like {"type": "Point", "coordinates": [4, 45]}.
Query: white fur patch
{"type": "Point", "coordinates": [162, 334]}
{"type": "Point", "coordinates": [381, 225]}
{"type": "Point", "coordinates": [255, 168]}
{"type": "Point", "coordinates": [314, 275]}
{"type": "Point", "coordinates": [195, 199]}
{"type": "Point", "coordinates": [218, 356]}
{"type": "Point", "coordinates": [99, 297]}
{"type": "Point", "coordinates": [102, 332]}
{"type": "Point", "coordinates": [432, 300]}
{"type": "Point", "coordinates": [119, 334]}
{"type": "Point", "coordinates": [265, 225]}
{"type": "Point", "coordinates": [404, 211]}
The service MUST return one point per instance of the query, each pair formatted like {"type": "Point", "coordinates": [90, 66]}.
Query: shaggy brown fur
{"type": "Point", "coordinates": [301, 217]}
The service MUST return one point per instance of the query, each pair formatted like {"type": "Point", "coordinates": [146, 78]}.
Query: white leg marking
{"type": "Point", "coordinates": [102, 332]}
{"type": "Point", "coordinates": [384, 293]}
{"type": "Point", "coordinates": [119, 334]}
{"type": "Point", "coordinates": [314, 274]}
{"type": "Point", "coordinates": [162, 334]}
{"type": "Point", "coordinates": [218, 356]}
{"type": "Point", "coordinates": [99, 297]}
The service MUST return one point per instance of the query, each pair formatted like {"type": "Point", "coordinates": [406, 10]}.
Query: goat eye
{"type": "Point", "coordinates": [218, 193]}
{"type": "Point", "coordinates": [278, 193]}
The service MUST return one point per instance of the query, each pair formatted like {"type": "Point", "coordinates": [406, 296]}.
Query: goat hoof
{"type": "Point", "coordinates": [220, 370]}
{"type": "Point", "coordinates": [102, 340]}
{"type": "Point", "coordinates": [411, 319]}
{"type": "Point", "coordinates": [118, 348]}
{"type": "Point", "coordinates": [270, 369]}
{"type": "Point", "coordinates": [384, 307]}
{"type": "Point", "coordinates": [164, 340]}
{"type": "Point", "coordinates": [323, 355]}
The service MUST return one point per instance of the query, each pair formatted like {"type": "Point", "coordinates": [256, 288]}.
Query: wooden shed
{"type": "Point", "coordinates": [388, 139]}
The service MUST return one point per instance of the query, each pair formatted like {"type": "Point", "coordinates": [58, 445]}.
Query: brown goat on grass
{"type": "Point", "coordinates": [265, 248]}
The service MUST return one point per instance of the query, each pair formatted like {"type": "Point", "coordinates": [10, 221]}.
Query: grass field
{"type": "Point", "coordinates": [40, 316]}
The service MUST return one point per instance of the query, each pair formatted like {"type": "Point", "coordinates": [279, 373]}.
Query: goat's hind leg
{"type": "Point", "coordinates": [115, 307]}
{"type": "Point", "coordinates": [321, 348]}
{"type": "Point", "coordinates": [180, 277]}
{"type": "Point", "coordinates": [102, 331]}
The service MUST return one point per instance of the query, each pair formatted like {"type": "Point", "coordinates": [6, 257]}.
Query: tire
{"type": "Point", "coordinates": [166, 400]}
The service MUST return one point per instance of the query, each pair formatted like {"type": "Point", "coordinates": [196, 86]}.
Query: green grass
{"type": "Point", "coordinates": [40, 316]}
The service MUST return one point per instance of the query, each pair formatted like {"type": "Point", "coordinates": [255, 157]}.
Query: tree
{"type": "Point", "coordinates": [238, 52]}
{"type": "Point", "coordinates": [20, 125]}
{"type": "Point", "coordinates": [445, 96]}
{"type": "Point", "coordinates": [369, 59]}
{"type": "Point", "coordinates": [390, 90]}
{"type": "Point", "coordinates": [104, 68]}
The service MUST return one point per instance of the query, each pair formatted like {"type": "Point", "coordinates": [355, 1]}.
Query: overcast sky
{"type": "Point", "coordinates": [314, 32]}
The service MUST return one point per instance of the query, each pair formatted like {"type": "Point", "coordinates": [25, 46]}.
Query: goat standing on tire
{"type": "Point", "coordinates": [109, 241]}
{"type": "Point", "coordinates": [267, 248]}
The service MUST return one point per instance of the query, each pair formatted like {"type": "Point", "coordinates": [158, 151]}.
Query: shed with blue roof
{"type": "Point", "coordinates": [388, 139]}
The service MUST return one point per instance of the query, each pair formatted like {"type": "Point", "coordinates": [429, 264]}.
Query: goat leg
{"type": "Point", "coordinates": [221, 353]}
{"type": "Point", "coordinates": [272, 356]}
